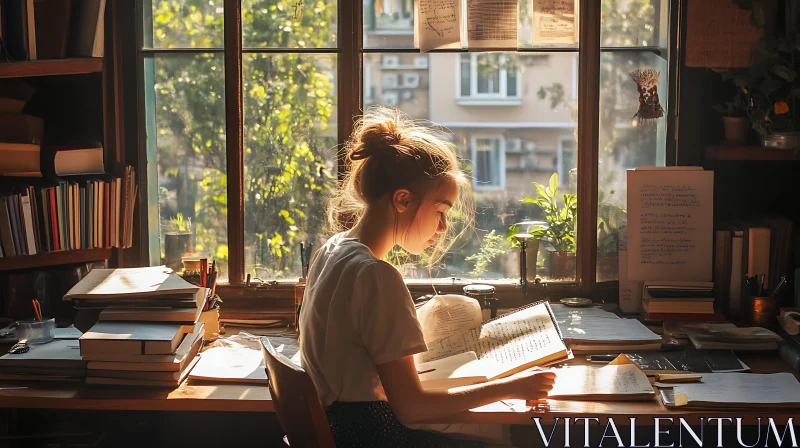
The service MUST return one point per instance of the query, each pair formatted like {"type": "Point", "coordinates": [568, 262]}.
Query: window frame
{"type": "Point", "coordinates": [350, 54]}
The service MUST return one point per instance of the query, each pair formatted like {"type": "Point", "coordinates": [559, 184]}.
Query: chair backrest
{"type": "Point", "coordinates": [297, 404]}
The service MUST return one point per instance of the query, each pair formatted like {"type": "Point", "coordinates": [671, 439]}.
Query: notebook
{"type": "Point", "coordinates": [158, 281]}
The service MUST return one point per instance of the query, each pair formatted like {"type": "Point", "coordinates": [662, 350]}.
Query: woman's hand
{"type": "Point", "coordinates": [531, 384]}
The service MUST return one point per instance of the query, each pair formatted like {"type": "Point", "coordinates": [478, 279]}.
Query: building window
{"type": "Point", "coordinates": [488, 162]}
{"type": "Point", "coordinates": [489, 79]}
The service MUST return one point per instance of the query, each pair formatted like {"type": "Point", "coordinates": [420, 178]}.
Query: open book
{"type": "Point", "coordinates": [476, 352]}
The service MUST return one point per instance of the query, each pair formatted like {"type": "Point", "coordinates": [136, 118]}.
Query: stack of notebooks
{"type": "Point", "coordinates": [147, 334]}
{"type": "Point", "coordinates": [594, 330]}
{"type": "Point", "coordinates": [679, 301]}
{"type": "Point", "coordinates": [58, 360]}
{"type": "Point", "coordinates": [727, 336]}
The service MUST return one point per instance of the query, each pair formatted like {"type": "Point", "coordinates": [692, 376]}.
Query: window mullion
{"type": "Point", "coordinates": [349, 69]}
{"type": "Point", "coordinates": [234, 139]}
{"type": "Point", "coordinates": [588, 136]}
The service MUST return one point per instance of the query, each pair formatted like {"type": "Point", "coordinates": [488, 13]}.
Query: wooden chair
{"type": "Point", "coordinates": [296, 402]}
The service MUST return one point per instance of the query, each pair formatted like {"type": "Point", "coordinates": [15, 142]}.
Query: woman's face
{"type": "Point", "coordinates": [419, 228]}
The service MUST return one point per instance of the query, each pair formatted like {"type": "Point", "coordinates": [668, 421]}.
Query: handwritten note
{"type": "Point", "coordinates": [492, 24]}
{"type": "Point", "coordinates": [670, 219]}
{"type": "Point", "coordinates": [438, 24]}
{"type": "Point", "coordinates": [554, 22]}
{"type": "Point", "coordinates": [609, 382]}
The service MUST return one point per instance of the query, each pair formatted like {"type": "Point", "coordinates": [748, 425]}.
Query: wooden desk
{"type": "Point", "coordinates": [191, 397]}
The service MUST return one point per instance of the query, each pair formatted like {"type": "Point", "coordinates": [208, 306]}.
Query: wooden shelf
{"type": "Point", "coordinates": [53, 258]}
{"type": "Point", "coordinates": [51, 67]}
{"type": "Point", "coordinates": [721, 152]}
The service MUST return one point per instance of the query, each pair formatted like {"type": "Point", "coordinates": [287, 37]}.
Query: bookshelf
{"type": "Point", "coordinates": [53, 259]}
{"type": "Point", "coordinates": [51, 67]}
{"type": "Point", "coordinates": [79, 101]}
{"type": "Point", "coordinates": [749, 153]}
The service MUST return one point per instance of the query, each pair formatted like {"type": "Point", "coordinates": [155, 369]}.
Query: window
{"type": "Point", "coordinates": [488, 162]}
{"type": "Point", "coordinates": [489, 79]}
{"type": "Point", "coordinates": [296, 112]}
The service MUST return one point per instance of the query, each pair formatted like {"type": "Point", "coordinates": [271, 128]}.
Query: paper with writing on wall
{"type": "Point", "coordinates": [506, 344]}
{"type": "Point", "coordinates": [554, 22]}
{"type": "Point", "coordinates": [444, 315]}
{"type": "Point", "coordinates": [492, 24]}
{"type": "Point", "coordinates": [610, 382]}
{"type": "Point", "coordinates": [670, 224]}
{"type": "Point", "coordinates": [438, 24]}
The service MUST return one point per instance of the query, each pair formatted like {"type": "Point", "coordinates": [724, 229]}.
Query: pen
{"type": "Point", "coordinates": [603, 358]}
{"type": "Point", "coordinates": [303, 258]}
{"type": "Point", "coordinates": [425, 371]}
{"type": "Point", "coordinates": [779, 286]}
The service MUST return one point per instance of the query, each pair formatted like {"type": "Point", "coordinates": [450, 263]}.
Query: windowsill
{"type": "Point", "coordinates": [467, 101]}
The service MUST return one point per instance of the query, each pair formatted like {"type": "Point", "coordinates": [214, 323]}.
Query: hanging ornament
{"type": "Point", "coordinates": [647, 84]}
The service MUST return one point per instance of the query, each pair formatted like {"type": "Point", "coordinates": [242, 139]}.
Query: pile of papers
{"type": "Point", "coordinates": [593, 330]}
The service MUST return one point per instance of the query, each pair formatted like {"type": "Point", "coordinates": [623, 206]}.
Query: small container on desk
{"type": "Point", "coordinates": [210, 318]}
{"type": "Point", "coordinates": [763, 311]}
{"type": "Point", "coordinates": [35, 331]}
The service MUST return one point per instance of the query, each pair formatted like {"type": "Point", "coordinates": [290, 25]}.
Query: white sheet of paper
{"type": "Point", "coordinates": [578, 381]}
{"type": "Point", "coordinates": [592, 325]}
{"type": "Point", "coordinates": [438, 24]}
{"type": "Point", "coordinates": [554, 22]}
{"type": "Point", "coordinates": [670, 224]}
{"type": "Point", "coordinates": [492, 24]}
{"type": "Point", "coordinates": [449, 314]}
{"type": "Point", "coordinates": [743, 388]}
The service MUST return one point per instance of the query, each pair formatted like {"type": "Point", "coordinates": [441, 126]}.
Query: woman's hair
{"type": "Point", "coordinates": [388, 151]}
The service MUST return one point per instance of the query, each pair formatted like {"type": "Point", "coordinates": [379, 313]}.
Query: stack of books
{"type": "Point", "coordinates": [148, 332]}
{"type": "Point", "coordinates": [679, 301]}
{"type": "Point", "coordinates": [58, 360]}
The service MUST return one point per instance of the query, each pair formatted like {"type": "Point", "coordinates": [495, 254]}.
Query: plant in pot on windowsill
{"type": "Point", "coordinates": [560, 229]}
{"type": "Point", "coordinates": [610, 218]}
{"type": "Point", "coordinates": [178, 242]}
{"type": "Point", "coordinates": [734, 117]}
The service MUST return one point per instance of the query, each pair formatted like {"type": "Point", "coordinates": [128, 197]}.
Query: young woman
{"type": "Point", "coordinates": [358, 324]}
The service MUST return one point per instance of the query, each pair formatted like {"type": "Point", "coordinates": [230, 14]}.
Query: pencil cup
{"type": "Point", "coordinates": [211, 327]}
{"type": "Point", "coordinates": [36, 332]}
{"type": "Point", "coordinates": [764, 311]}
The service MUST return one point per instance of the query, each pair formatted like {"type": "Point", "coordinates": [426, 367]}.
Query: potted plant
{"type": "Point", "coordinates": [178, 242]}
{"type": "Point", "coordinates": [610, 218]}
{"type": "Point", "coordinates": [560, 229]}
{"type": "Point", "coordinates": [734, 118]}
{"type": "Point", "coordinates": [772, 92]}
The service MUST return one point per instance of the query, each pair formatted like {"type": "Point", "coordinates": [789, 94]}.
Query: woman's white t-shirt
{"type": "Point", "coordinates": [356, 313]}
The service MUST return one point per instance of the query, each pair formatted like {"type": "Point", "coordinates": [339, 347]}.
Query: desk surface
{"type": "Point", "coordinates": [256, 398]}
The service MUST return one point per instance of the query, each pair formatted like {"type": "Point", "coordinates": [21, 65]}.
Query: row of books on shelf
{"type": "Point", "coordinates": [745, 249]}
{"type": "Point", "coordinates": [85, 214]}
{"type": "Point", "coordinates": [52, 29]}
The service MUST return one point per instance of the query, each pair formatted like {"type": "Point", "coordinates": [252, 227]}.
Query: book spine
{"type": "Point", "coordinates": [789, 354]}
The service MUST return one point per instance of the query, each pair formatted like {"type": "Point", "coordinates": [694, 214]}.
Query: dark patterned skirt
{"type": "Point", "coordinates": [373, 424]}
